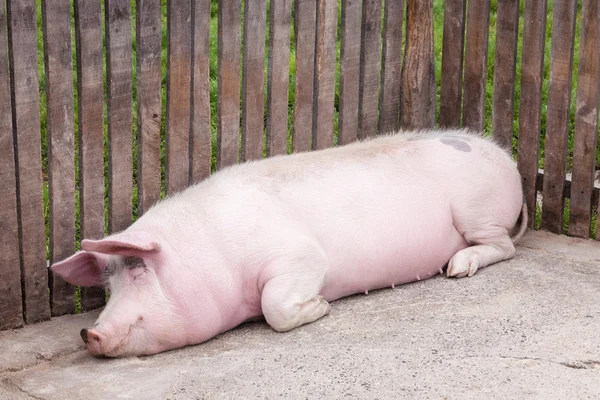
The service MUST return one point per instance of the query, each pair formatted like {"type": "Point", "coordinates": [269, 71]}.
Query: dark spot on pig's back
{"type": "Point", "coordinates": [457, 143]}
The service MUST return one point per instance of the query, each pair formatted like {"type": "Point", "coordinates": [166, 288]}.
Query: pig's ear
{"type": "Point", "coordinates": [82, 268]}
{"type": "Point", "coordinates": [137, 244]}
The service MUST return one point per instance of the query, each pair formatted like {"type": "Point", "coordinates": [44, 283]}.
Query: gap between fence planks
{"type": "Point", "coordinates": [530, 111]}
{"type": "Point", "coordinates": [61, 147]}
{"type": "Point", "coordinates": [26, 127]}
{"type": "Point", "coordinates": [586, 122]}
{"type": "Point", "coordinates": [11, 307]}
{"type": "Point", "coordinates": [559, 103]}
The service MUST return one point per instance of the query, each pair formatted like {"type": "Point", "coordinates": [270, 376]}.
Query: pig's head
{"type": "Point", "coordinates": [141, 315]}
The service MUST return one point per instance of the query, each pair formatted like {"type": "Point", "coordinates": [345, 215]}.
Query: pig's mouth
{"type": "Point", "coordinates": [98, 343]}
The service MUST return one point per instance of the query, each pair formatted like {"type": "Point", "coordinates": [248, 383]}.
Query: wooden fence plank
{"type": "Point", "coordinates": [452, 63]}
{"type": "Point", "coordinates": [324, 78]}
{"type": "Point", "coordinates": [179, 75]}
{"type": "Point", "coordinates": [586, 121]}
{"type": "Point", "coordinates": [253, 74]}
{"type": "Point", "coordinates": [228, 107]}
{"type": "Point", "coordinates": [391, 60]}
{"type": "Point", "coordinates": [559, 103]}
{"type": "Point", "coordinates": [26, 124]}
{"type": "Point", "coordinates": [201, 132]}
{"type": "Point", "coordinates": [119, 77]}
{"type": "Point", "coordinates": [532, 77]}
{"type": "Point", "coordinates": [418, 71]}
{"type": "Point", "coordinates": [349, 70]}
{"type": "Point", "coordinates": [90, 100]}
{"type": "Point", "coordinates": [279, 77]}
{"type": "Point", "coordinates": [304, 32]}
{"type": "Point", "coordinates": [476, 51]}
{"type": "Point", "coordinates": [11, 307]}
{"type": "Point", "coordinates": [149, 79]}
{"type": "Point", "coordinates": [505, 67]}
{"type": "Point", "coordinates": [61, 148]}
{"type": "Point", "coordinates": [368, 92]}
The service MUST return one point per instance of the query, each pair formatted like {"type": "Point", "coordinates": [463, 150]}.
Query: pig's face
{"type": "Point", "coordinates": [140, 316]}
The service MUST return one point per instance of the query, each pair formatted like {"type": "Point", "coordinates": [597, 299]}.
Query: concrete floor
{"type": "Point", "coordinates": [527, 328]}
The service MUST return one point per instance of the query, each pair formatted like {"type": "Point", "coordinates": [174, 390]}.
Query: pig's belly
{"type": "Point", "coordinates": [413, 250]}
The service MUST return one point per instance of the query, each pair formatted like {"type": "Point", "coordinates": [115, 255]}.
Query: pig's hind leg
{"type": "Point", "coordinates": [488, 247]}
{"type": "Point", "coordinates": [290, 297]}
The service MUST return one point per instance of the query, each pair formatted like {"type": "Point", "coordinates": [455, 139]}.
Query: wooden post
{"type": "Point", "coordinates": [61, 146]}
{"type": "Point", "coordinates": [586, 122]}
{"type": "Point", "coordinates": [532, 73]}
{"type": "Point", "coordinates": [418, 71]}
{"type": "Point", "coordinates": [11, 307]}
{"type": "Point", "coordinates": [26, 127]}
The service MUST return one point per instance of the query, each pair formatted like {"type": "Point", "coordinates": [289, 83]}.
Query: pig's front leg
{"type": "Point", "coordinates": [290, 296]}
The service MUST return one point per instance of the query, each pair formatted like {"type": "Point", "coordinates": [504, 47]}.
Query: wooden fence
{"type": "Point", "coordinates": [104, 135]}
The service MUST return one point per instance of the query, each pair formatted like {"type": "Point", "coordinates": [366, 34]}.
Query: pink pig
{"type": "Point", "coordinates": [284, 236]}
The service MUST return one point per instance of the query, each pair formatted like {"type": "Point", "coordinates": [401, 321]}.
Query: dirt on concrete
{"type": "Point", "coordinates": [526, 328]}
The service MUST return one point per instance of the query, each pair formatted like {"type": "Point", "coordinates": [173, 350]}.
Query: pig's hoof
{"type": "Point", "coordinates": [463, 264]}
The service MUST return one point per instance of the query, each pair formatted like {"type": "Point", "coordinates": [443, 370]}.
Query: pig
{"type": "Point", "coordinates": [279, 239]}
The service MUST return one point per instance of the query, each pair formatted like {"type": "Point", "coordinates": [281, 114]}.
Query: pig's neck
{"type": "Point", "coordinates": [208, 302]}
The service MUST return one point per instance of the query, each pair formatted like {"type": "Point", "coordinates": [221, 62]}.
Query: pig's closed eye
{"type": "Point", "coordinates": [137, 272]}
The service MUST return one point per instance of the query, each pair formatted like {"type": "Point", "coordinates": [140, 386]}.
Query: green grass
{"type": "Point", "coordinates": [438, 33]}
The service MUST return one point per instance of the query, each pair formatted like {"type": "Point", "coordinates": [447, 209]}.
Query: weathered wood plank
{"type": "Point", "coordinates": [304, 32]}
{"type": "Point", "coordinates": [389, 103]}
{"type": "Point", "coordinates": [228, 106]}
{"type": "Point", "coordinates": [370, 60]}
{"type": "Point", "coordinates": [324, 78]}
{"type": "Point", "coordinates": [452, 63]}
{"type": "Point", "coordinates": [201, 133]}
{"type": "Point", "coordinates": [253, 79]}
{"type": "Point", "coordinates": [11, 307]}
{"type": "Point", "coordinates": [148, 65]}
{"type": "Point", "coordinates": [418, 71]}
{"type": "Point", "coordinates": [349, 71]}
{"type": "Point", "coordinates": [119, 80]}
{"type": "Point", "coordinates": [532, 76]}
{"type": "Point", "coordinates": [179, 75]}
{"type": "Point", "coordinates": [586, 121]}
{"type": "Point", "coordinates": [61, 146]}
{"type": "Point", "coordinates": [278, 77]}
{"type": "Point", "coordinates": [505, 68]}
{"type": "Point", "coordinates": [557, 122]}
{"type": "Point", "coordinates": [476, 51]}
{"type": "Point", "coordinates": [26, 124]}
{"type": "Point", "coordinates": [90, 100]}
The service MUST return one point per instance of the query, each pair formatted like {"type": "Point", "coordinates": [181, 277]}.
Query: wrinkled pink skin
{"type": "Point", "coordinates": [268, 237]}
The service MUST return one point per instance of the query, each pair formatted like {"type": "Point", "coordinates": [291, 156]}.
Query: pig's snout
{"type": "Point", "coordinates": [84, 335]}
{"type": "Point", "coordinates": [96, 341]}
